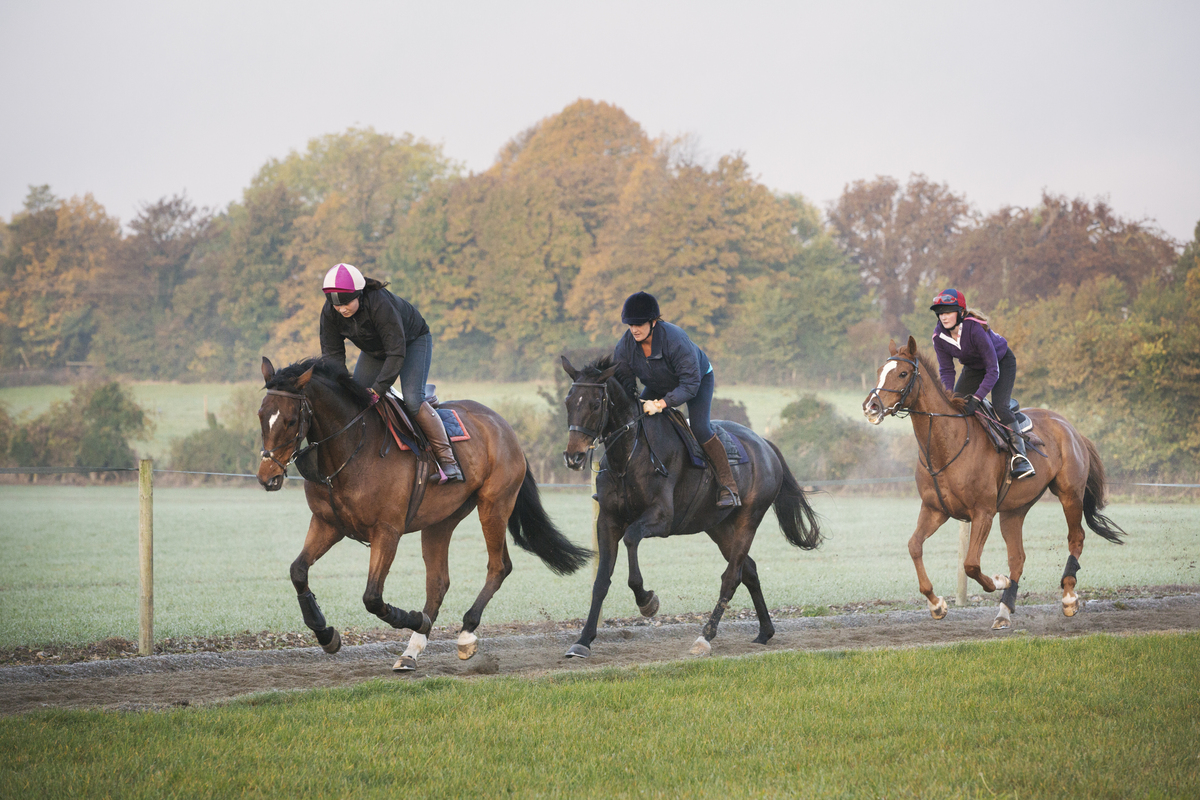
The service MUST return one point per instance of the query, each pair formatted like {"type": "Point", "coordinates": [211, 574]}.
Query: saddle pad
{"type": "Point", "coordinates": [454, 427]}
{"type": "Point", "coordinates": [734, 449]}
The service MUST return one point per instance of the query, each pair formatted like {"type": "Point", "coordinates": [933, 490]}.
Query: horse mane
{"type": "Point", "coordinates": [931, 370]}
{"type": "Point", "coordinates": [624, 374]}
{"type": "Point", "coordinates": [329, 370]}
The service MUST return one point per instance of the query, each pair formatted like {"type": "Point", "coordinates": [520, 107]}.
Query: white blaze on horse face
{"type": "Point", "coordinates": [271, 422]}
{"type": "Point", "coordinates": [883, 373]}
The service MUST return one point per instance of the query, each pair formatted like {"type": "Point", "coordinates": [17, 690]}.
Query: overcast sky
{"type": "Point", "coordinates": [133, 101]}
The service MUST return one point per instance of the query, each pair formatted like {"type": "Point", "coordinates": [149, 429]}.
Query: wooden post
{"type": "Point", "coordinates": [964, 539]}
{"type": "Point", "coordinates": [595, 523]}
{"type": "Point", "coordinates": [146, 556]}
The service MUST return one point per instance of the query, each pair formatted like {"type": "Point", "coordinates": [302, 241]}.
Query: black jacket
{"type": "Point", "coordinates": [382, 327]}
{"type": "Point", "coordinates": [674, 368]}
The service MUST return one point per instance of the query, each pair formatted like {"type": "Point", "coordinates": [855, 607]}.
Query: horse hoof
{"type": "Point", "coordinates": [938, 610]}
{"type": "Point", "coordinates": [335, 643]}
{"type": "Point", "coordinates": [468, 645]}
{"type": "Point", "coordinates": [426, 624]}
{"type": "Point", "coordinates": [405, 664]}
{"type": "Point", "coordinates": [701, 647]}
{"type": "Point", "coordinates": [578, 651]}
{"type": "Point", "coordinates": [999, 624]}
{"type": "Point", "coordinates": [1001, 581]}
{"type": "Point", "coordinates": [1070, 605]}
{"type": "Point", "coordinates": [651, 607]}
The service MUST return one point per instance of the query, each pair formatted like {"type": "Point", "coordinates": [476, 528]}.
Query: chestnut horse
{"type": "Point", "coordinates": [648, 487]}
{"type": "Point", "coordinates": [358, 484]}
{"type": "Point", "coordinates": [961, 475]}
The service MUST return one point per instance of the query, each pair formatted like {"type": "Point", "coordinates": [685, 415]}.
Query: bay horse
{"type": "Point", "coordinates": [961, 475]}
{"type": "Point", "coordinates": [358, 484]}
{"type": "Point", "coordinates": [647, 487]}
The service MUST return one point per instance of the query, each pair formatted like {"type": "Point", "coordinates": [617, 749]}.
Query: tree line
{"type": "Point", "coordinates": [533, 256]}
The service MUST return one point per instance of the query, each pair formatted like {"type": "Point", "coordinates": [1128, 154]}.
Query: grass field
{"type": "Point", "coordinates": [69, 571]}
{"type": "Point", "coordinates": [177, 409]}
{"type": "Point", "coordinates": [1090, 717]}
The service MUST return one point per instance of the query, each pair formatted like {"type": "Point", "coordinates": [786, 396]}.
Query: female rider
{"type": "Point", "coordinates": [395, 343]}
{"type": "Point", "coordinates": [989, 365]}
{"type": "Point", "coordinates": [674, 371]}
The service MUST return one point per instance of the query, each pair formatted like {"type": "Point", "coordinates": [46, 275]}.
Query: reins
{"type": "Point", "coordinates": [598, 437]}
{"type": "Point", "coordinates": [900, 409]}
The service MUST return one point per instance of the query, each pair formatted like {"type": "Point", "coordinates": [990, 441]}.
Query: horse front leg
{"type": "Point", "coordinates": [647, 601]}
{"type": "Point", "coordinates": [383, 551]}
{"type": "Point", "coordinates": [321, 536]}
{"type": "Point", "coordinates": [928, 521]}
{"type": "Point", "coordinates": [608, 537]}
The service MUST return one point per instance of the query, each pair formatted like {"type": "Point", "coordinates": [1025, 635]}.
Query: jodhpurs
{"type": "Point", "coordinates": [414, 373]}
{"type": "Point", "coordinates": [970, 379]}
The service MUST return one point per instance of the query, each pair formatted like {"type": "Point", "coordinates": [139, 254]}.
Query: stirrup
{"type": "Point", "coordinates": [1021, 467]}
{"type": "Point", "coordinates": [727, 498]}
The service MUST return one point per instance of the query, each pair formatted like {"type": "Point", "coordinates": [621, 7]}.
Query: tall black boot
{"type": "Point", "coordinates": [431, 423]}
{"type": "Point", "coordinates": [727, 496]}
{"type": "Point", "coordinates": [1020, 465]}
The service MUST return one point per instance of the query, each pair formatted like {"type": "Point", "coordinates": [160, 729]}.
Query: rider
{"type": "Point", "coordinates": [989, 365]}
{"type": "Point", "coordinates": [674, 371]}
{"type": "Point", "coordinates": [395, 343]}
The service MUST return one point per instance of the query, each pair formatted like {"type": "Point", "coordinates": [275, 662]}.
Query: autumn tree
{"type": "Point", "coordinates": [896, 237]}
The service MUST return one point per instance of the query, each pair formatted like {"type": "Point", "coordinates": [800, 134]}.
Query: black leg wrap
{"type": "Point", "coordinates": [1072, 568]}
{"type": "Point", "coordinates": [313, 617]}
{"type": "Point", "coordinates": [1009, 598]}
{"type": "Point", "coordinates": [324, 635]}
{"type": "Point", "coordinates": [398, 618]}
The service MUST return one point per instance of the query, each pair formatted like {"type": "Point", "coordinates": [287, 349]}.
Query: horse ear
{"type": "Point", "coordinates": [912, 346]}
{"type": "Point", "coordinates": [567, 368]}
{"type": "Point", "coordinates": [892, 347]}
{"type": "Point", "coordinates": [608, 373]}
{"type": "Point", "coordinates": [268, 370]}
{"type": "Point", "coordinates": [303, 380]}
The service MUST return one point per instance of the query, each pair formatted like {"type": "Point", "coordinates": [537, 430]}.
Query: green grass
{"type": "Point", "coordinates": [69, 572]}
{"type": "Point", "coordinates": [1094, 717]}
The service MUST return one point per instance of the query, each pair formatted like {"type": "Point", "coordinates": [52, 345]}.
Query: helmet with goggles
{"type": "Point", "coordinates": [344, 284]}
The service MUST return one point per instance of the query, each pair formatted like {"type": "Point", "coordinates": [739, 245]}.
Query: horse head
{"type": "Point", "coordinates": [589, 402]}
{"type": "Point", "coordinates": [898, 377]}
{"type": "Point", "coordinates": [285, 416]}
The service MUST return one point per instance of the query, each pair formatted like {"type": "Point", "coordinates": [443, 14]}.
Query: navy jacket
{"type": "Point", "coordinates": [674, 368]}
{"type": "Point", "coordinates": [978, 347]}
{"type": "Point", "coordinates": [382, 327]}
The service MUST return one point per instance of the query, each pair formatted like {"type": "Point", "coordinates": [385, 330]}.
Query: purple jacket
{"type": "Point", "coordinates": [977, 347]}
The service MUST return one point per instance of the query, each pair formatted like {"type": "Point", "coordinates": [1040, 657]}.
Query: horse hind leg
{"type": "Point", "coordinates": [1073, 509]}
{"type": "Point", "coordinates": [735, 548]}
{"type": "Point", "coordinates": [766, 629]}
{"type": "Point", "coordinates": [1011, 527]}
{"type": "Point", "coordinates": [494, 521]}
{"type": "Point", "coordinates": [647, 601]}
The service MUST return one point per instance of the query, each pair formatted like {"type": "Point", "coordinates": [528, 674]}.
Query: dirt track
{"type": "Point", "coordinates": [178, 680]}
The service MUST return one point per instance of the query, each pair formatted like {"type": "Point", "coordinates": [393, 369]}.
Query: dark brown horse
{"type": "Point", "coordinates": [358, 485]}
{"type": "Point", "coordinates": [647, 487]}
{"type": "Point", "coordinates": [961, 475]}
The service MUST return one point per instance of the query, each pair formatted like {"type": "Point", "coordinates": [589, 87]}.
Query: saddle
{"type": "Point", "coordinates": [407, 435]}
{"type": "Point", "coordinates": [735, 451]}
{"type": "Point", "coordinates": [999, 434]}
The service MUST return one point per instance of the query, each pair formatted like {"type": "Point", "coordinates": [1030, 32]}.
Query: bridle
{"type": "Point", "coordinates": [306, 414]}
{"type": "Point", "coordinates": [901, 408]}
{"type": "Point", "coordinates": [597, 437]}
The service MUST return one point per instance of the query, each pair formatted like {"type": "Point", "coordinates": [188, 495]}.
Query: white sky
{"type": "Point", "coordinates": [133, 101]}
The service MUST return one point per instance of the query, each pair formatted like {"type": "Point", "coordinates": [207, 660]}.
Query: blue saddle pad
{"type": "Point", "coordinates": [454, 426]}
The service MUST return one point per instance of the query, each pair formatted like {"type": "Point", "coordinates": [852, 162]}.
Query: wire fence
{"type": "Point", "coordinates": [846, 482]}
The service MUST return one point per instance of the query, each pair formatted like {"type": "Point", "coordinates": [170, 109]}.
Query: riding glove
{"type": "Point", "coordinates": [972, 405]}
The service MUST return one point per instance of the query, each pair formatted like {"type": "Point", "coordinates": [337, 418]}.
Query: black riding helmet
{"type": "Point", "coordinates": [639, 309]}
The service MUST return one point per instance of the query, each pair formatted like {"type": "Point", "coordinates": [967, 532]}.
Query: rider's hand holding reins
{"type": "Point", "coordinates": [972, 406]}
{"type": "Point", "coordinates": [374, 396]}
{"type": "Point", "coordinates": [652, 407]}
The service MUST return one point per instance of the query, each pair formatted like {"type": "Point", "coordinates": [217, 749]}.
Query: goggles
{"type": "Point", "coordinates": [946, 300]}
{"type": "Point", "coordinates": [343, 298]}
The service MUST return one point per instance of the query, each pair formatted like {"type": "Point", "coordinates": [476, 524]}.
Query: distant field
{"type": "Point", "coordinates": [178, 409]}
{"type": "Point", "coordinates": [69, 572]}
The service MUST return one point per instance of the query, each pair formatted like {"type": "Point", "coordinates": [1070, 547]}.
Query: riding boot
{"type": "Point", "coordinates": [1020, 465]}
{"type": "Point", "coordinates": [431, 423]}
{"type": "Point", "coordinates": [727, 497]}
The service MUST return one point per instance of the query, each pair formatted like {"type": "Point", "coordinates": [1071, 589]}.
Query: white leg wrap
{"type": "Point", "coordinates": [1001, 581]}
{"type": "Point", "coordinates": [416, 645]}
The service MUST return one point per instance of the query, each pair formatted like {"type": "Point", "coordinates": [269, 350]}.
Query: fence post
{"type": "Point", "coordinates": [964, 539]}
{"type": "Point", "coordinates": [146, 556]}
{"type": "Point", "coordinates": [595, 523]}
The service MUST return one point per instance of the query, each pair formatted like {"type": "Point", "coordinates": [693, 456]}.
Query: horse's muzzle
{"type": "Point", "coordinates": [873, 409]}
{"type": "Point", "coordinates": [273, 483]}
{"type": "Point", "coordinates": [574, 460]}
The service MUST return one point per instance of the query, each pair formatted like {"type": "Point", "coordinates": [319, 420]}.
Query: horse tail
{"type": "Point", "coordinates": [1094, 498]}
{"type": "Point", "coordinates": [533, 530]}
{"type": "Point", "coordinates": [796, 517]}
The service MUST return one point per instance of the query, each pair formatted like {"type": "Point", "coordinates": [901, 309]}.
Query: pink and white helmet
{"type": "Point", "coordinates": [344, 278]}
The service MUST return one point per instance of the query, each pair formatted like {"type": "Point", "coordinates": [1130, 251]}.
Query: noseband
{"type": "Point", "coordinates": [594, 435]}
{"type": "Point", "coordinates": [302, 431]}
